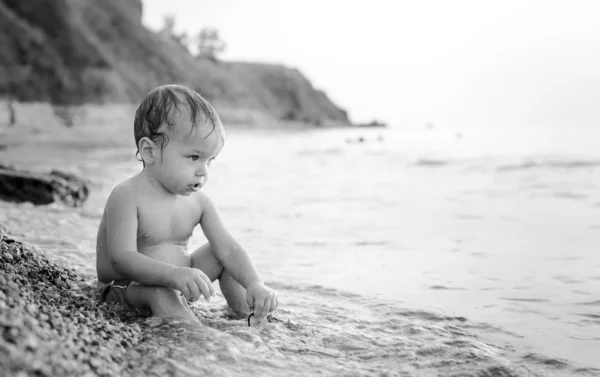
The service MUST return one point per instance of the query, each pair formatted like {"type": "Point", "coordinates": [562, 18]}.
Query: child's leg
{"type": "Point", "coordinates": [161, 301]}
{"type": "Point", "coordinates": [205, 260]}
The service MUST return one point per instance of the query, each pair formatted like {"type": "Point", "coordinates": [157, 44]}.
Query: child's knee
{"type": "Point", "coordinates": [205, 260]}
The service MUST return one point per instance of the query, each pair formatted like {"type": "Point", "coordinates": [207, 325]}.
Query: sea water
{"type": "Point", "coordinates": [414, 250]}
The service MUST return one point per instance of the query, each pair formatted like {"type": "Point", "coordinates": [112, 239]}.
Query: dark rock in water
{"type": "Point", "coordinates": [51, 323]}
{"type": "Point", "coordinates": [373, 123]}
{"type": "Point", "coordinates": [24, 186]}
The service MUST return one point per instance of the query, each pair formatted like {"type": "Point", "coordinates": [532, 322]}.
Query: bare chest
{"type": "Point", "coordinates": [172, 223]}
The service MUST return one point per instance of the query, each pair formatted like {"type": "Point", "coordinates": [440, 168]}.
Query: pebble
{"type": "Point", "coordinates": [51, 324]}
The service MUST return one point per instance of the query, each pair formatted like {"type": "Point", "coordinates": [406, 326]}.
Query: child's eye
{"type": "Point", "coordinates": [210, 160]}
{"type": "Point", "coordinates": [195, 157]}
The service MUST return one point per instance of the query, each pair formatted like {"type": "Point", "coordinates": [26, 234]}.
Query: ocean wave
{"type": "Point", "coordinates": [590, 303]}
{"type": "Point", "coordinates": [547, 361]}
{"type": "Point", "coordinates": [550, 164]}
{"type": "Point", "coordinates": [318, 152]}
{"type": "Point", "coordinates": [431, 162]}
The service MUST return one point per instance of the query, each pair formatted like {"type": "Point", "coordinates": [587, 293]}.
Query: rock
{"type": "Point", "coordinates": [373, 123]}
{"type": "Point", "coordinates": [24, 186]}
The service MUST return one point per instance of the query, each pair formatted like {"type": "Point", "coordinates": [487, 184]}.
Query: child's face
{"type": "Point", "coordinates": [182, 167]}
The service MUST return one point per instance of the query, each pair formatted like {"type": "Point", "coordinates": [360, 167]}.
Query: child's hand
{"type": "Point", "coordinates": [192, 283]}
{"type": "Point", "coordinates": [261, 299]}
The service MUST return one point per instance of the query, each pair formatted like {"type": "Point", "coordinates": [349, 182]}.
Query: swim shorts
{"type": "Point", "coordinates": [115, 291]}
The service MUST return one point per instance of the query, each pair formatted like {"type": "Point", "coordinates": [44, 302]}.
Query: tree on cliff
{"type": "Point", "coordinates": [168, 31]}
{"type": "Point", "coordinates": [12, 77]}
{"type": "Point", "coordinates": [209, 44]}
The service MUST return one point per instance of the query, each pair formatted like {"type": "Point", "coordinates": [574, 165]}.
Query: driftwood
{"type": "Point", "coordinates": [24, 186]}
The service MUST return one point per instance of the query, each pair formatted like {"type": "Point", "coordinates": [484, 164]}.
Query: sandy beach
{"type": "Point", "coordinates": [417, 251]}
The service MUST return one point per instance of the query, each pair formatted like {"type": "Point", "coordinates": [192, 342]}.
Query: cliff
{"type": "Point", "coordinates": [73, 51]}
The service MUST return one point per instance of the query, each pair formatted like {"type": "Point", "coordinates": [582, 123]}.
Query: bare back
{"type": "Point", "coordinates": [164, 226]}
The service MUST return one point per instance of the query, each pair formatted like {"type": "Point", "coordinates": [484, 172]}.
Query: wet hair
{"type": "Point", "coordinates": [155, 116]}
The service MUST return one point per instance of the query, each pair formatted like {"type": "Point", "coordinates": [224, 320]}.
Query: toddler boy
{"type": "Point", "coordinates": [142, 259]}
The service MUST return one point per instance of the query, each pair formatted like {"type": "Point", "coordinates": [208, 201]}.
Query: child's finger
{"type": "Point", "coordinates": [208, 284]}
{"type": "Point", "coordinates": [206, 280]}
{"type": "Point", "coordinates": [268, 304]}
{"type": "Point", "coordinates": [194, 291]}
{"type": "Point", "coordinates": [264, 308]}
{"type": "Point", "coordinates": [185, 291]}
{"type": "Point", "coordinates": [250, 301]}
{"type": "Point", "coordinates": [203, 287]}
{"type": "Point", "coordinates": [258, 309]}
{"type": "Point", "coordinates": [274, 304]}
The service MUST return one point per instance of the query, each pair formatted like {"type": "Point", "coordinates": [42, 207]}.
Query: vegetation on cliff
{"type": "Point", "coordinates": [74, 51]}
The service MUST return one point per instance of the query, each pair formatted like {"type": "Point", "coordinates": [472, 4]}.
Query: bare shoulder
{"type": "Point", "coordinates": [123, 194]}
{"type": "Point", "coordinates": [204, 201]}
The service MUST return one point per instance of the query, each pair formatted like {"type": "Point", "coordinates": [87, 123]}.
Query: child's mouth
{"type": "Point", "coordinates": [195, 187]}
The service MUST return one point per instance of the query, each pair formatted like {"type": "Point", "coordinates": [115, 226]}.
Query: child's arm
{"type": "Point", "coordinates": [121, 238]}
{"type": "Point", "coordinates": [237, 261]}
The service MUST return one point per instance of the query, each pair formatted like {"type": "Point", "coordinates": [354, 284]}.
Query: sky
{"type": "Point", "coordinates": [511, 63]}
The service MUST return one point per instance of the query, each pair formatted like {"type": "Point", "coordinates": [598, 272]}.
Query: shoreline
{"type": "Point", "coordinates": [53, 325]}
{"type": "Point", "coordinates": [102, 113]}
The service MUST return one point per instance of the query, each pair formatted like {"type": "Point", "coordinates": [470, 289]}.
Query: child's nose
{"type": "Point", "coordinates": [202, 171]}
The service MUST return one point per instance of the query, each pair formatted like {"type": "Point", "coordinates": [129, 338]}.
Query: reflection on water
{"type": "Point", "coordinates": [497, 231]}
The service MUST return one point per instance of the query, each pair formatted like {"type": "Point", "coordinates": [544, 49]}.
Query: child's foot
{"type": "Point", "coordinates": [188, 308]}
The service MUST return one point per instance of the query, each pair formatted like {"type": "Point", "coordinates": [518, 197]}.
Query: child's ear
{"type": "Point", "coordinates": [148, 150]}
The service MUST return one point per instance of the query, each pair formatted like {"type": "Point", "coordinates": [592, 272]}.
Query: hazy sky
{"type": "Point", "coordinates": [513, 62]}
